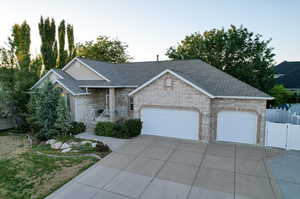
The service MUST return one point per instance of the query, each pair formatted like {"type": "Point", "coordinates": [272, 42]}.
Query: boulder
{"type": "Point", "coordinates": [85, 142]}
{"type": "Point", "coordinates": [65, 146]}
{"type": "Point", "coordinates": [51, 141]}
{"type": "Point", "coordinates": [56, 145]}
{"type": "Point", "coordinates": [66, 150]}
{"type": "Point", "coordinates": [74, 144]}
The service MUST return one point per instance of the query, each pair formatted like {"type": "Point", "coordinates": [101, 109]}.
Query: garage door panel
{"type": "Point", "coordinates": [167, 122]}
{"type": "Point", "coordinates": [236, 126]}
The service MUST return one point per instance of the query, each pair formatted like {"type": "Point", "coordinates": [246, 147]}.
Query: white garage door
{"type": "Point", "coordinates": [176, 123]}
{"type": "Point", "coordinates": [235, 126]}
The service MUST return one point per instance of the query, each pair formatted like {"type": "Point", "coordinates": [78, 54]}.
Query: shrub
{"type": "Point", "coordinates": [130, 128]}
{"type": "Point", "coordinates": [101, 147]}
{"type": "Point", "coordinates": [106, 129]}
{"type": "Point", "coordinates": [121, 129]}
{"type": "Point", "coordinates": [77, 127]}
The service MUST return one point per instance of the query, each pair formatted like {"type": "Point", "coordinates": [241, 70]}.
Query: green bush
{"type": "Point", "coordinates": [106, 129]}
{"type": "Point", "coordinates": [130, 128]}
{"type": "Point", "coordinates": [77, 127]}
{"type": "Point", "coordinates": [101, 147]}
{"type": "Point", "coordinates": [122, 129]}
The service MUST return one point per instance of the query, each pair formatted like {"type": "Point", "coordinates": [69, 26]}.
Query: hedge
{"type": "Point", "coordinates": [121, 129]}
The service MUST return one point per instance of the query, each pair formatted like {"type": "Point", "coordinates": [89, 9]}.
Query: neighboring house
{"type": "Point", "coordinates": [184, 99]}
{"type": "Point", "coordinates": [288, 74]}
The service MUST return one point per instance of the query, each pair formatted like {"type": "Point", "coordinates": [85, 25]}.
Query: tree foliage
{"type": "Point", "coordinates": [47, 30]}
{"type": "Point", "coordinates": [71, 45]}
{"type": "Point", "coordinates": [15, 84]}
{"type": "Point", "coordinates": [63, 54]}
{"type": "Point", "coordinates": [20, 42]}
{"type": "Point", "coordinates": [63, 121]}
{"type": "Point", "coordinates": [43, 111]}
{"type": "Point", "coordinates": [8, 58]}
{"type": "Point", "coordinates": [281, 95]}
{"type": "Point", "coordinates": [237, 51]}
{"type": "Point", "coordinates": [104, 49]}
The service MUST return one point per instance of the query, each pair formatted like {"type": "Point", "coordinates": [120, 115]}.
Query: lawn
{"type": "Point", "coordinates": [24, 174]}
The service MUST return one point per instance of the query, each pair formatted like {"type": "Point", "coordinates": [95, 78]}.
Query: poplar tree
{"type": "Point", "coordinates": [63, 54]}
{"type": "Point", "coordinates": [20, 42]}
{"type": "Point", "coordinates": [71, 45]}
{"type": "Point", "coordinates": [47, 30]}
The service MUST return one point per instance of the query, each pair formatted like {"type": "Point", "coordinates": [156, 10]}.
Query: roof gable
{"type": "Point", "coordinates": [176, 75]}
{"type": "Point", "coordinates": [81, 71]}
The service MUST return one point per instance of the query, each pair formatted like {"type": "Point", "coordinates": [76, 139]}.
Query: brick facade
{"type": "Point", "coordinates": [182, 95]}
{"type": "Point", "coordinates": [170, 92]}
{"type": "Point", "coordinates": [255, 106]}
{"type": "Point", "coordinates": [178, 95]}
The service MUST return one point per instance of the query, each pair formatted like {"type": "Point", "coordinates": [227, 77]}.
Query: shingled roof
{"type": "Point", "coordinates": [210, 79]}
{"type": "Point", "coordinates": [205, 76]}
{"type": "Point", "coordinates": [288, 74]}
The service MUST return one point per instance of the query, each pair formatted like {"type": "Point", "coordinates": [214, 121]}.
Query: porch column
{"type": "Point", "coordinates": [112, 104]}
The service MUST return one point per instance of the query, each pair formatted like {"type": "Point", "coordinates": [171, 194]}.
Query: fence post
{"type": "Point", "coordinates": [287, 135]}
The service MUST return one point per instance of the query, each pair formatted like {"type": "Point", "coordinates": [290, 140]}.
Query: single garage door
{"type": "Point", "coordinates": [235, 126]}
{"type": "Point", "coordinates": [178, 123]}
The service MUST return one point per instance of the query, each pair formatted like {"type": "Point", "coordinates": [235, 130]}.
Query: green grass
{"type": "Point", "coordinates": [24, 174]}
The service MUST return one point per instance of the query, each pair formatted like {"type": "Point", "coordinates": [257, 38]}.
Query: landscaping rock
{"type": "Point", "coordinates": [51, 141]}
{"type": "Point", "coordinates": [56, 145]}
{"type": "Point", "coordinates": [74, 144]}
{"type": "Point", "coordinates": [66, 150]}
{"type": "Point", "coordinates": [85, 142]}
{"type": "Point", "coordinates": [65, 146]}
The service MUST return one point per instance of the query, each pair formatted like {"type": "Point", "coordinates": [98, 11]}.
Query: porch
{"type": "Point", "coordinates": [101, 104]}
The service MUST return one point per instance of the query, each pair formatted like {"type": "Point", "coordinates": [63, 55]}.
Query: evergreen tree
{"type": "Point", "coordinates": [63, 122]}
{"type": "Point", "coordinates": [47, 30]}
{"type": "Point", "coordinates": [71, 45]}
{"type": "Point", "coordinates": [20, 42]}
{"type": "Point", "coordinates": [43, 110]}
{"type": "Point", "coordinates": [63, 54]}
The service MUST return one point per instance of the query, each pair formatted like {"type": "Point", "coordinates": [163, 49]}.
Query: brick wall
{"type": "Point", "coordinates": [256, 106]}
{"type": "Point", "coordinates": [178, 95]}
{"type": "Point", "coordinates": [122, 103]}
{"type": "Point", "coordinates": [88, 104]}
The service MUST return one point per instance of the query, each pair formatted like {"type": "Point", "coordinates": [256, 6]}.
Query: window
{"type": "Point", "coordinates": [107, 100]}
{"type": "Point", "coordinates": [68, 102]}
{"type": "Point", "coordinates": [131, 105]}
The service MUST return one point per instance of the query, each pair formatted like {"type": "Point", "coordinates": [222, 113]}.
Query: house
{"type": "Point", "coordinates": [185, 99]}
{"type": "Point", "coordinates": [287, 73]}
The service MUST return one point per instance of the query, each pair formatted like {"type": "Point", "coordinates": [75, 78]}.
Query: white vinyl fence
{"type": "Point", "coordinates": [282, 129]}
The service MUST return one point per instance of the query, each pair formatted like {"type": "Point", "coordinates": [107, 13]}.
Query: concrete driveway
{"type": "Point", "coordinates": [150, 167]}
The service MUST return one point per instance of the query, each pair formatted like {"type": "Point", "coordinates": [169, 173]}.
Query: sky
{"type": "Point", "coordinates": [150, 27]}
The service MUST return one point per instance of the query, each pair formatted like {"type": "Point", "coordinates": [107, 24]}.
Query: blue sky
{"type": "Point", "coordinates": [149, 27]}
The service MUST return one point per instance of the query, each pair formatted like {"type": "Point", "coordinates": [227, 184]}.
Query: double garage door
{"type": "Point", "coordinates": [178, 123]}
{"type": "Point", "coordinates": [232, 126]}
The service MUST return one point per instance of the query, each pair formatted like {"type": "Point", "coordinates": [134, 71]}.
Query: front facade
{"type": "Point", "coordinates": [182, 99]}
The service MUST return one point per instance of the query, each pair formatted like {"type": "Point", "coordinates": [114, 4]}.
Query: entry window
{"type": "Point", "coordinates": [69, 102]}
{"type": "Point", "coordinates": [107, 100]}
{"type": "Point", "coordinates": [131, 105]}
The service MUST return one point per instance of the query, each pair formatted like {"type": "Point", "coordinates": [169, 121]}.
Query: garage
{"type": "Point", "coordinates": [170, 122]}
{"type": "Point", "coordinates": [237, 126]}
